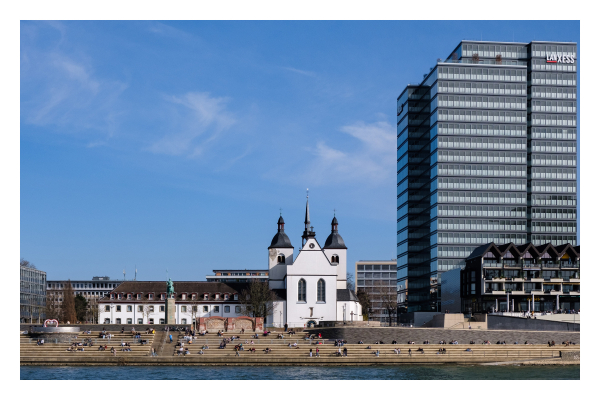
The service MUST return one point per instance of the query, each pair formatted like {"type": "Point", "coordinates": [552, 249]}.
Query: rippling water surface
{"type": "Point", "coordinates": [306, 372]}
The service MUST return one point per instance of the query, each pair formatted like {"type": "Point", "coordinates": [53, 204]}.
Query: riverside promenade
{"type": "Point", "coordinates": [295, 350]}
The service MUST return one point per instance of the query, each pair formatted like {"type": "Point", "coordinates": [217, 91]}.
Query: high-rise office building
{"type": "Point", "coordinates": [487, 152]}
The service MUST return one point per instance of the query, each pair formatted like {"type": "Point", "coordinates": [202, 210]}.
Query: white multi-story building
{"type": "Point", "coordinates": [143, 302]}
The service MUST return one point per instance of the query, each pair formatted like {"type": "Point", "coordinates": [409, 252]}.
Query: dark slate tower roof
{"type": "Point", "coordinates": [280, 240]}
{"type": "Point", "coordinates": [334, 240]}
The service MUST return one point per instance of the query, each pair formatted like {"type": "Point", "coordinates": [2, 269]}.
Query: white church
{"type": "Point", "coordinates": [311, 289]}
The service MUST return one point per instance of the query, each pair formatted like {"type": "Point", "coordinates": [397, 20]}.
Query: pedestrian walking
{"type": "Point", "coordinates": [310, 353]}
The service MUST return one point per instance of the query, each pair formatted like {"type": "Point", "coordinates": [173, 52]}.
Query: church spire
{"type": "Point", "coordinates": [308, 230]}
{"type": "Point", "coordinates": [307, 215]}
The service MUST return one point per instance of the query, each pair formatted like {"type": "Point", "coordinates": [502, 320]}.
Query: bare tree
{"type": "Point", "coordinates": [388, 298]}
{"type": "Point", "coordinates": [94, 310]}
{"type": "Point", "coordinates": [53, 309]}
{"type": "Point", "coordinates": [350, 282]}
{"type": "Point", "coordinates": [257, 300]}
{"type": "Point", "coordinates": [194, 303]}
{"type": "Point", "coordinates": [148, 309]}
{"type": "Point", "coordinates": [498, 58]}
{"type": "Point", "coordinates": [68, 304]}
{"type": "Point", "coordinates": [475, 58]}
{"type": "Point", "coordinates": [364, 298]}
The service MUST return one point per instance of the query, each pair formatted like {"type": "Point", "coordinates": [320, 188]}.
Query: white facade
{"type": "Point", "coordinates": [129, 313]}
{"type": "Point", "coordinates": [322, 272]}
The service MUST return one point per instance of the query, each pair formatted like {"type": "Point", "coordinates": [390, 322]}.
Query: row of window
{"type": "Point", "coordinates": [555, 120]}
{"type": "Point", "coordinates": [447, 265]}
{"type": "Point", "coordinates": [554, 133]}
{"type": "Point", "coordinates": [482, 88]}
{"type": "Point", "coordinates": [449, 142]}
{"type": "Point", "coordinates": [302, 290]}
{"type": "Point", "coordinates": [557, 187]}
{"type": "Point", "coordinates": [554, 147]}
{"type": "Point", "coordinates": [481, 197]}
{"type": "Point", "coordinates": [538, 240]}
{"type": "Point", "coordinates": [482, 156]}
{"type": "Point", "coordinates": [553, 106]}
{"type": "Point", "coordinates": [376, 267]}
{"type": "Point", "coordinates": [553, 200]}
{"type": "Point", "coordinates": [482, 224]}
{"type": "Point", "coordinates": [554, 92]}
{"type": "Point", "coordinates": [481, 238]}
{"type": "Point", "coordinates": [516, 103]}
{"type": "Point", "coordinates": [558, 227]}
{"type": "Point", "coordinates": [371, 282]}
{"type": "Point", "coordinates": [482, 184]}
{"type": "Point", "coordinates": [480, 170]}
{"type": "Point", "coordinates": [541, 50]}
{"type": "Point", "coordinates": [554, 159]}
{"type": "Point", "coordinates": [554, 213]}
{"type": "Point", "coordinates": [542, 65]}
{"type": "Point", "coordinates": [150, 308]}
{"type": "Point", "coordinates": [492, 50]}
{"type": "Point", "coordinates": [553, 173]}
{"type": "Point", "coordinates": [376, 275]}
{"type": "Point", "coordinates": [481, 211]}
{"type": "Point", "coordinates": [482, 116]}
{"type": "Point", "coordinates": [472, 73]}
{"type": "Point", "coordinates": [184, 296]}
{"type": "Point", "coordinates": [548, 78]}
{"type": "Point", "coordinates": [454, 251]}
{"type": "Point", "coordinates": [481, 129]}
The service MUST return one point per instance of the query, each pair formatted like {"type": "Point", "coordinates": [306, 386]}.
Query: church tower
{"type": "Point", "coordinates": [308, 230]}
{"type": "Point", "coordinates": [335, 249]}
{"type": "Point", "coordinates": [281, 253]}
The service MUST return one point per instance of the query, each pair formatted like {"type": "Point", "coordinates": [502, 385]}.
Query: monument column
{"type": "Point", "coordinates": [170, 304]}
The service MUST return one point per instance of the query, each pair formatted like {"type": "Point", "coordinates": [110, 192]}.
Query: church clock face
{"type": "Point", "coordinates": [312, 245]}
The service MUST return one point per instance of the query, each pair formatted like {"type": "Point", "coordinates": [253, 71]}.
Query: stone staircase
{"type": "Point", "coordinates": [29, 347]}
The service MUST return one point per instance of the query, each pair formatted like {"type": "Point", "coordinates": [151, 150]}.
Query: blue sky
{"type": "Point", "coordinates": [174, 144]}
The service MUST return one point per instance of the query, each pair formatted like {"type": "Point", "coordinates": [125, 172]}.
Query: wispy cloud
{"type": "Point", "coordinates": [61, 88]}
{"type": "Point", "coordinates": [370, 160]}
{"type": "Point", "coordinates": [201, 119]}
{"type": "Point", "coordinates": [301, 72]}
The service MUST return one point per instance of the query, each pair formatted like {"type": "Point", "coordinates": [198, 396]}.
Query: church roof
{"type": "Point", "coordinates": [346, 295]}
{"type": "Point", "coordinates": [280, 240]}
{"type": "Point", "coordinates": [334, 241]}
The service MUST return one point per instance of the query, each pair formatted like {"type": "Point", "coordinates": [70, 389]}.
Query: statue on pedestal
{"type": "Point", "coordinates": [170, 288]}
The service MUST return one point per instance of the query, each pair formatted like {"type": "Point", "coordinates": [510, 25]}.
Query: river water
{"type": "Point", "coordinates": [383, 372]}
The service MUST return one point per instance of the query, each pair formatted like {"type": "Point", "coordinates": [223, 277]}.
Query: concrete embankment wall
{"type": "Point", "coordinates": [434, 335]}
{"type": "Point", "coordinates": [109, 327]}
{"type": "Point", "coordinates": [257, 360]}
{"type": "Point", "coordinates": [529, 324]}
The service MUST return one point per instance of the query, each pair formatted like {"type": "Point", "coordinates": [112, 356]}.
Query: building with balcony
{"type": "Point", "coordinates": [525, 278]}
{"type": "Point", "coordinates": [486, 152]}
{"type": "Point", "coordinates": [33, 293]}
{"type": "Point", "coordinates": [378, 279]}
{"type": "Point", "coordinates": [238, 275]}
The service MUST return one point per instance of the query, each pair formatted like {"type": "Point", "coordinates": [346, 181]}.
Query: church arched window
{"type": "Point", "coordinates": [335, 259]}
{"type": "Point", "coordinates": [321, 290]}
{"type": "Point", "coordinates": [302, 290]}
{"type": "Point", "coordinates": [281, 258]}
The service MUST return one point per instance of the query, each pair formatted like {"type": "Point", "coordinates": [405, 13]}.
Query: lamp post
{"type": "Point", "coordinates": [280, 318]}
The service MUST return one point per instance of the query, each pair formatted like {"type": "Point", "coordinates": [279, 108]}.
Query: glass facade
{"type": "Point", "coordinates": [33, 295]}
{"type": "Point", "coordinates": [486, 152]}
